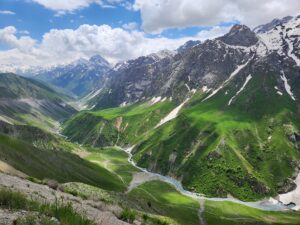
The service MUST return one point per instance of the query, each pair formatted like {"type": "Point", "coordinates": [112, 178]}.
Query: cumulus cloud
{"type": "Point", "coordinates": [63, 46]}
{"type": "Point", "coordinates": [7, 12]}
{"type": "Point", "coordinates": [67, 6]}
{"type": "Point", "coordinates": [158, 15]}
{"type": "Point", "coordinates": [64, 5]}
{"type": "Point", "coordinates": [8, 36]}
{"type": "Point", "coordinates": [130, 26]}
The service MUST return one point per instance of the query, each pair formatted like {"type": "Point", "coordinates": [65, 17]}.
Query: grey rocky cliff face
{"type": "Point", "coordinates": [208, 65]}
{"type": "Point", "coordinates": [240, 35]}
{"type": "Point", "coordinates": [188, 45]}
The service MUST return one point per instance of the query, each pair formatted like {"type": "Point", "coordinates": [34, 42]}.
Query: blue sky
{"type": "Point", "coordinates": [37, 19]}
{"type": "Point", "coordinates": [49, 32]}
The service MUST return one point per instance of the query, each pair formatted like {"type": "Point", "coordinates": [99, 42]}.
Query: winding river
{"type": "Point", "coordinates": [267, 205]}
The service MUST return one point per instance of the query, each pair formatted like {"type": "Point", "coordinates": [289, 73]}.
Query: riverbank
{"type": "Point", "coordinates": [270, 204]}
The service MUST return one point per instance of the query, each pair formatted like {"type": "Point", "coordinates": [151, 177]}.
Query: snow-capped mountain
{"type": "Point", "coordinates": [269, 26]}
{"type": "Point", "coordinates": [77, 78]}
{"type": "Point", "coordinates": [208, 65]}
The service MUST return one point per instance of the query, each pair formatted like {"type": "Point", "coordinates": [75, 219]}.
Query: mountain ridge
{"type": "Point", "coordinates": [27, 101]}
{"type": "Point", "coordinates": [238, 101]}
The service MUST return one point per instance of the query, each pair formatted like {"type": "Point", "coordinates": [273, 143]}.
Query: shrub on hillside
{"type": "Point", "coordinates": [128, 215]}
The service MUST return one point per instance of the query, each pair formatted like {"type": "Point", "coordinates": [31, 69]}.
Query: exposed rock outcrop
{"type": "Point", "coordinates": [99, 212]}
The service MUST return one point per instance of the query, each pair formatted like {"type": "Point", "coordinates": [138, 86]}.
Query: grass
{"type": "Point", "coordinates": [117, 126]}
{"type": "Point", "coordinates": [223, 149]}
{"type": "Point", "coordinates": [33, 220]}
{"type": "Point", "coordinates": [43, 114]}
{"type": "Point", "coordinates": [165, 200]}
{"type": "Point", "coordinates": [115, 161]}
{"type": "Point", "coordinates": [12, 200]}
{"type": "Point", "coordinates": [184, 210]}
{"type": "Point", "coordinates": [54, 164]}
{"type": "Point", "coordinates": [228, 213]}
{"type": "Point", "coordinates": [132, 206]}
{"type": "Point", "coordinates": [128, 215]}
{"type": "Point", "coordinates": [219, 149]}
{"type": "Point", "coordinates": [86, 191]}
{"type": "Point", "coordinates": [65, 214]}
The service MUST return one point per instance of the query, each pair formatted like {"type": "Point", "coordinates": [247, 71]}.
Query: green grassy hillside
{"type": "Point", "coordinates": [156, 199]}
{"type": "Point", "coordinates": [44, 156]}
{"type": "Point", "coordinates": [245, 149]}
{"type": "Point", "coordinates": [26, 101]}
{"type": "Point", "coordinates": [185, 210]}
{"type": "Point", "coordinates": [117, 126]}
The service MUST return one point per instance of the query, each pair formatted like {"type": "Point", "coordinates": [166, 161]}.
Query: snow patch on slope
{"type": "Point", "coordinates": [173, 114]}
{"type": "Point", "coordinates": [290, 52]}
{"type": "Point", "coordinates": [276, 39]}
{"type": "Point", "coordinates": [164, 99]}
{"type": "Point", "coordinates": [242, 88]}
{"type": "Point", "coordinates": [205, 89]}
{"type": "Point", "coordinates": [233, 74]}
{"type": "Point", "coordinates": [155, 100]}
{"type": "Point", "coordinates": [187, 86]}
{"type": "Point", "coordinates": [287, 86]}
{"type": "Point", "coordinates": [280, 93]}
{"type": "Point", "coordinates": [123, 104]}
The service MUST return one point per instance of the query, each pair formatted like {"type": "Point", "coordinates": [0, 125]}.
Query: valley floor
{"type": "Point", "coordinates": [165, 198]}
{"type": "Point", "coordinates": [151, 200]}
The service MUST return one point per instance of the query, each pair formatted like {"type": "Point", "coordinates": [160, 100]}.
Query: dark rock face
{"type": "Point", "coordinates": [240, 35]}
{"type": "Point", "coordinates": [287, 186]}
{"type": "Point", "coordinates": [188, 45]}
{"type": "Point", "coordinates": [205, 66]}
{"type": "Point", "coordinates": [295, 138]}
{"type": "Point", "coordinates": [255, 185]}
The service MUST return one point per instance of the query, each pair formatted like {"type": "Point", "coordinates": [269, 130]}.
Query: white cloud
{"type": "Point", "coordinates": [8, 36]}
{"type": "Point", "coordinates": [158, 15]}
{"type": "Point", "coordinates": [65, 5]}
{"type": "Point", "coordinates": [26, 32]}
{"type": "Point", "coordinates": [130, 26]}
{"type": "Point", "coordinates": [68, 6]}
{"type": "Point", "coordinates": [7, 12]}
{"type": "Point", "coordinates": [63, 46]}
{"type": "Point", "coordinates": [213, 32]}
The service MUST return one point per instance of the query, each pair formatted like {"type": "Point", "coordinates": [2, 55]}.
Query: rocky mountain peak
{"type": "Point", "coordinates": [187, 45]}
{"type": "Point", "coordinates": [78, 62]}
{"type": "Point", "coordinates": [240, 35]}
{"type": "Point", "coordinates": [98, 59]}
{"type": "Point", "coordinates": [271, 25]}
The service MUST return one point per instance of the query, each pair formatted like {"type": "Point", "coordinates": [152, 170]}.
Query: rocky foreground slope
{"type": "Point", "coordinates": [99, 212]}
